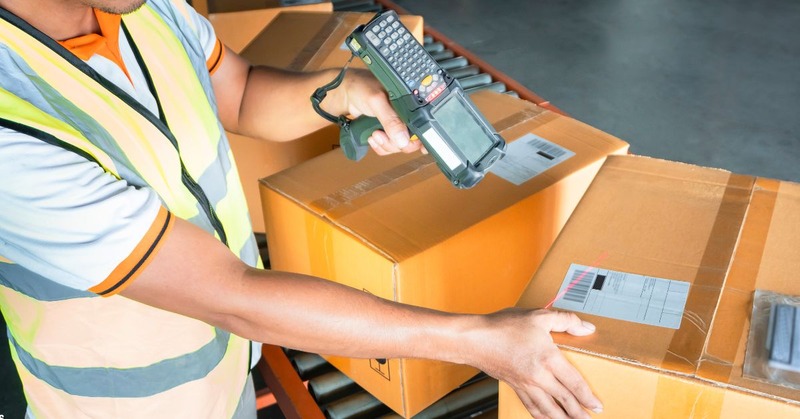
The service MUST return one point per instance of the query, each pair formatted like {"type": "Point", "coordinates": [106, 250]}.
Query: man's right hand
{"type": "Point", "coordinates": [522, 353]}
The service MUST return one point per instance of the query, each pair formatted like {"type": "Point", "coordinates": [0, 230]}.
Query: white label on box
{"type": "Point", "coordinates": [527, 157]}
{"type": "Point", "coordinates": [624, 296]}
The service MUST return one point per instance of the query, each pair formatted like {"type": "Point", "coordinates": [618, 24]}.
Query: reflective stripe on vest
{"type": "Point", "coordinates": [139, 360]}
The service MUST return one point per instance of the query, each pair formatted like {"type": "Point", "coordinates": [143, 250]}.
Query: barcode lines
{"type": "Point", "coordinates": [580, 290]}
{"type": "Point", "coordinates": [548, 148]}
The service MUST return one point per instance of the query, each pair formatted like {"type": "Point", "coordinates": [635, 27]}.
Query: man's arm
{"type": "Point", "coordinates": [273, 104]}
{"type": "Point", "coordinates": [320, 316]}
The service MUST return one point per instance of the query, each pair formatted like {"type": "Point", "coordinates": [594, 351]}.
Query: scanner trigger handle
{"type": "Point", "coordinates": [353, 136]}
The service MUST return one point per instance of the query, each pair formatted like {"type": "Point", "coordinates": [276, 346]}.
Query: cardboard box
{"type": "Point", "coordinates": [201, 6]}
{"type": "Point", "coordinates": [725, 235]}
{"type": "Point", "coordinates": [313, 41]}
{"type": "Point", "coordinates": [395, 227]}
{"type": "Point", "coordinates": [300, 41]}
{"type": "Point", "coordinates": [228, 6]}
{"type": "Point", "coordinates": [237, 23]}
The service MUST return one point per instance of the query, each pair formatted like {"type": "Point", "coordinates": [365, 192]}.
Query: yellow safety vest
{"type": "Point", "coordinates": [82, 355]}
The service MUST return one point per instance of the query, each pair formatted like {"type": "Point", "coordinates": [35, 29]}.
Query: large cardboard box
{"type": "Point", "coordinates": [395, 227]}
{"type": "Point", "coordinates": [723, 236]}
{"type": "Point", "coordinates": [308, 41]}
{"type": "Point", "coordinates": [227, 6]}
{"type": "Point", "coordinates": [300, 41]}
{"type": "Point", "coordinates": [236, 23]}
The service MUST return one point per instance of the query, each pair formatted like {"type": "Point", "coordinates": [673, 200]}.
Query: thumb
{"type": "Point", "coordinates": [561, 321]}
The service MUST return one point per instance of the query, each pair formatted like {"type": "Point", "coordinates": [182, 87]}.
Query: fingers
{"type": "Point", "coordinates": [560, 321]}
{"type": "Point", "coordinates": [395, 134]}
{"type": "Point", "coordinates": [365, 96]}
{"type": "Point", "coordinates": [383, 145]}
{"type": "Point", "coordinates": [551, 398]}
{"type": "Point", "coordinates": [571, 389]}
{"type": "Point", "coordinates": [541, 405]}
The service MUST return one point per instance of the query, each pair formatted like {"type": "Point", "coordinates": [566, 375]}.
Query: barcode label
{"type": "Point", "coordinates": [624, 296]}
{"type": "Point", "coordinates": [546, 149]}
{"type": "Point", "coordinates": [527, 157]}
{"type": "Point", "coordinates": [581, 283]}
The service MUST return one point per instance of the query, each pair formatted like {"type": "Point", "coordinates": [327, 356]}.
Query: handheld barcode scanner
{"type": "Point", "coordinates": [430, 102]}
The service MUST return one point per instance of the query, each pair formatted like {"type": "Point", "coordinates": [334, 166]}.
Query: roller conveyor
{"type": "Point", "coordinates": [336, 396]}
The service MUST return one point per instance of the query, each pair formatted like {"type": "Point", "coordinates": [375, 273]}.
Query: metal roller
{"type": "Point", "coordinates": [434, 47]}
{"type": "Point", "coordinates": [442, 55]}
{"type": "Point", "coordinates": [476, 396]}
{"type": "Point", "coordinates": [490, 413]}
{"type": "Point", "coordinates": [496, 87]}
{"type": "Point", "coordinates": [475, 399]}
{"type": "Point", "coordinates": [466, 71]}
{"type": "Point", "coordinates": [330, 386]}
{"type": "Point", "coordinates": [453, 63]}
{"type": "Point", "coordinates": [309, 365]}
{"type": "Point", "coordinates": [355, 406]}
{"type": "Point", "coordinates": [356, 6]}
{"type": "Point", "coordinates": [475, 81]}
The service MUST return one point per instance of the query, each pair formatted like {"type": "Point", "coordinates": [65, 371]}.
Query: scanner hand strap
{"type": "Point", "coordinates": [320, 94]}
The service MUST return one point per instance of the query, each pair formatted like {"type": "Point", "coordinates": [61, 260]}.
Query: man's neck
{"type": "Point", "coordinates": [58, 19]}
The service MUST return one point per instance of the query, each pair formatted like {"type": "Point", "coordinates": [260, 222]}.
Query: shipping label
{"type": "Point", "coordinates": [623, 296]}
{"type": "Point", "coordinates": [527, 157]}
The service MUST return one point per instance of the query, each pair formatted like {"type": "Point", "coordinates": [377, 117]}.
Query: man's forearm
{"type": "Point", "coordinates": [276, 104]}
{"type": "Point", "coordinates": [335, 319]}
{"type": "Point", "coordinates": [290, 309]}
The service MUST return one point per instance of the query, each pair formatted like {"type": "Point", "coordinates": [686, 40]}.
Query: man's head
{"type": "Point", "coordinates": [117, 7]}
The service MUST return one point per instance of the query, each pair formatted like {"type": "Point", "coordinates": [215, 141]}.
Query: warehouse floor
{"type": "Point", "coordinates": [713, 83]}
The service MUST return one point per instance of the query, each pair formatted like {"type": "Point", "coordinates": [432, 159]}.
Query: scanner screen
{"type": "Point", "coordinates": [462, 128]}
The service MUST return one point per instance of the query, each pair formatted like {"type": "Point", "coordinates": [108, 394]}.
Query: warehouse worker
{"type": "Point", "coordinates": [129, 275]}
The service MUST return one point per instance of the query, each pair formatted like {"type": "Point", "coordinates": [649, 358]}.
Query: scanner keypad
{"type": "Point", "coordinates": [413, 64]}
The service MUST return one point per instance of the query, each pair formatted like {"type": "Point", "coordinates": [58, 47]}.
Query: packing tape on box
{"type": "Point", "coordinates": [325, 40]}
{"type": "Point", "coordinates": [709, 279]}
{"type": "Point", "coordinates": [338, 202]}
{"type": "Point", "coordinates": [719, 364]}
{"type": "Point", "coordinates": [522, 116]}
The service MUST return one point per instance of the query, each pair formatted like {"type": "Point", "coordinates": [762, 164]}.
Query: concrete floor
{"type": "Point", "coordinates": [714, 83]}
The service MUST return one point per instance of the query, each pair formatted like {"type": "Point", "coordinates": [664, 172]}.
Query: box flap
{"type": "Point", "coordinates": [226, 6]}
{"type": "Point", "coordinates": [659, 219]}
{"type": "Point", "coordinates": [238, 23]}
{"type": "Point", "coordinates": [370, 198]}
{"type": "Point", "coordinates": [293, 39]}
